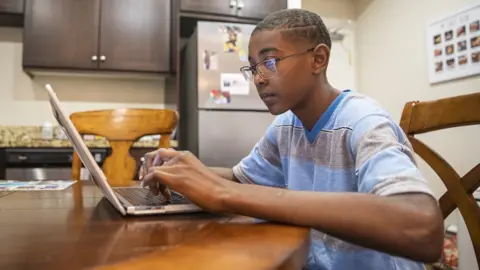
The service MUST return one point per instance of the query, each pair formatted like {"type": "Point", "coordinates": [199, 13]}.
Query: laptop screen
{"type": "Point", "coordinates": [85, 156]}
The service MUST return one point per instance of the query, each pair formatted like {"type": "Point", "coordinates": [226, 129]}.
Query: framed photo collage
{"type": "Point", "coordinates": [453, 46]}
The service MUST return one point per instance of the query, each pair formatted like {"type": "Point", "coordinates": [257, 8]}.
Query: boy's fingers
{"type": "Point", "coordinates": [157, 175]}
{"type": "Point", "coordinates": [159, 157]}
{"type": "Point", "coordinates": [148, 159]}
{"type": "Point", "coordinates": [140, 173]}
{"type": "Point", "coordinates": [152, 185]}
{"type": "Point", "coordinates": [165, 192]}
{"type": "Point", "coordinates": [173, 169]}
{"type": "Point", "coordinates": [167, 152]}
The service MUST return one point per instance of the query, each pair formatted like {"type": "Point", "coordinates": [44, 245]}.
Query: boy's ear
{"type": "Point", "coordinates": [321, 56]}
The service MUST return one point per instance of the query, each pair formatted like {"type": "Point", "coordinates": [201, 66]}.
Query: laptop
{"type": "Point", "coordinates": [134, 200]}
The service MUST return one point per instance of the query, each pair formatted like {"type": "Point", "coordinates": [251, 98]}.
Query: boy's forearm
{"type": "Point", "coordinates": [388, 224]}
{"type": "Point", "coordinates": [226, 173]}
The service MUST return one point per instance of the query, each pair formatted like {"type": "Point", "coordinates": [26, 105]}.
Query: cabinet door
{"type": "Point", "coordinates": [135, 35]}
{"type": "Point", "coordinates": [222, 7]}
{"type": "Point", "coordinates": [61, 34]}
{"type": "Point", "coordinates": [11, 6]}
{"type": "Point", "coordinates": [256, 9]}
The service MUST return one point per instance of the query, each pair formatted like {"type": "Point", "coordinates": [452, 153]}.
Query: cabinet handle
{"type": "Point", "coordinates": [103, 58]}
{"type": "Point", "coordinates": [233, 3]}
{"type": "Point", "coordinates": [94, 58]}
{"type": "Point", "coordinates": [240, 5]}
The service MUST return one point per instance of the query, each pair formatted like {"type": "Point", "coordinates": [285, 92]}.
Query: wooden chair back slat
{"type": "Point", "coordinates": [121, 128]}
{"type": "Point", "coordinates": [443, 113]}
{"type": "Point", "coordinates": [470, 182]}
{"type": "Point", "coordinates": [422, 117]}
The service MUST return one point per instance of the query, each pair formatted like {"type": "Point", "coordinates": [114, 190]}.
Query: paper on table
{"type": "Point", "coordinates": [10, 184]}
{"type": "Point", "coordinates": [13, 185]}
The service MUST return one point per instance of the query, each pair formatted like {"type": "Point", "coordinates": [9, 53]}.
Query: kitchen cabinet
{"type": "Point", "coordinates": [109, 35]}
{"type": "Point", "coordinates": [61, 34]}
{"type": "Point", "coordinates": [11, 13]}
{"type": "Point", "coordinates": [252, 9]}
{"type": "Point", "coordinates": [11, 6]}
{"type": "Point", "coordinates": [135, 35]}
{"type": "Point", "coordinates": [259, 9]}
{"type": "Point", "coordinates": [221, 7]}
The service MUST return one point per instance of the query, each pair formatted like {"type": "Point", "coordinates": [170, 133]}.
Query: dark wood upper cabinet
{"type": "Point", "coordinates": [11, 13]}
{"type": "Point", "coordinates": [111, 35]}
{"type": "Point", "coordinates": [11, 6]}
{"type": "Point", "coordinates": [256, 9]}
{"type": "Point", "coordinates": [249, 9]}
{"type": "Point", "coordinates": [222, 7]}
{"type": "Point", "coordinates": [61, 34]}
{"type": "Point", "coordinates": [135, 35]}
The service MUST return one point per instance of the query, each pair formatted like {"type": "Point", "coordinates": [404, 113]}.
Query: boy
{"type": "Point", "coordinates": [333, 161]}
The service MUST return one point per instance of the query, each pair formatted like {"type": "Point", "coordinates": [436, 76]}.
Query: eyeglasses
{"type": "Point", "coordinates": [266, 68]}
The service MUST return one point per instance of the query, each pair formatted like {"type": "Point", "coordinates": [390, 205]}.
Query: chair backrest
{"type": "Point", "coordinates": [121, 128]}
{"type": "Point", "coordinates": [421, 117]}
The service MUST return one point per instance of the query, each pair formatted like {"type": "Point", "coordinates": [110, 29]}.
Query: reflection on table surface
{"type": "Point", "coordinates": [78, 228]}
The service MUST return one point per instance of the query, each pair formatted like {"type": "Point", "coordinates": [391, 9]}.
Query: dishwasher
{"type": "Point", "coordinates": [33, 164]}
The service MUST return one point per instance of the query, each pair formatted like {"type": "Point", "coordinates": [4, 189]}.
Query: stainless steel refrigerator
{"type": "Point", "coordinates": [229, 116]}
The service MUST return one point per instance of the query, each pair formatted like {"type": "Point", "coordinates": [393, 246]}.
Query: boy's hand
{"type": "Point", "coordinates": [154, 158]}
{"type": "Point", "coordinates": [187, 175]}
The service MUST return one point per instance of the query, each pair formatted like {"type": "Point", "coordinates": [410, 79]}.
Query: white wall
{"type": "Point", "coordinates": [294, 3]}
{"type": "Point", "coordinates": [339, 14]}
{"type": "Point", "coordinates": [392, 68]}
{"type": "Point", "coordinates": [336, 9]}
{"type": "Point", "coordinates": [23, 101]}
{"type": "Point", "coordinates": [341, 71]}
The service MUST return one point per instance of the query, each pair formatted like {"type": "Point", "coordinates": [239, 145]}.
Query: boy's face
{"type": "Point", "coordinates": [287, 71]}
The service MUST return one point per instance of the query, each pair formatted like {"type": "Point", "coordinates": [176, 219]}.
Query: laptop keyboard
{"type": "Point", "coordinates": [143, 197]}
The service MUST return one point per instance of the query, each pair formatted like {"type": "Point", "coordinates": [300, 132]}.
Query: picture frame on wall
{"type": "Point", "coordinates": [453, 46]}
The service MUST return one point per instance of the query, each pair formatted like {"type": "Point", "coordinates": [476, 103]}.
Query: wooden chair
{"type": "Point", "coordinates": [122, 127]}
{"type": "Point", "coordinates": [421, 117]}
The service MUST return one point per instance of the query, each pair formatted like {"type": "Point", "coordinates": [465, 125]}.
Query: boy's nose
{"type": "Point", "coordinates": [258, 80]}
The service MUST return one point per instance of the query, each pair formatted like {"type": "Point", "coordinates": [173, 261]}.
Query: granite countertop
{"type": "Point", "coordinates": [31, 137]}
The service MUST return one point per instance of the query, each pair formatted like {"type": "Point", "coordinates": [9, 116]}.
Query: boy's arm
{"type": "Point", "coordinates": [407, 225]}
{"type": "Point", "coordinates": [393, 210]}
{"type": "Point", "coordinates": [225, 173]}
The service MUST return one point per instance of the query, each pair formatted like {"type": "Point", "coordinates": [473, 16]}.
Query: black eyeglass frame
{"type": "Point", "coordinates": [254, 69]}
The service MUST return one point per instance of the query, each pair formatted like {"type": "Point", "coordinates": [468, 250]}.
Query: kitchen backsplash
{"type": "Point", "coordinates": [33, 136]}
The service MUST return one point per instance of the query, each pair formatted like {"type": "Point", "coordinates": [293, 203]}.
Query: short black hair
{"type": "Point", "coordinates": [302, 24]}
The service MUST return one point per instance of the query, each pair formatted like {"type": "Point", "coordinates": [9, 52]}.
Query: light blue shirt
{"type": "Point", "coordinates": [354, 147]}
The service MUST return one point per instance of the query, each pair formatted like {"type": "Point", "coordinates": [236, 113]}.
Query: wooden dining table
{"type": "Point", "coordinates": [77, 228]}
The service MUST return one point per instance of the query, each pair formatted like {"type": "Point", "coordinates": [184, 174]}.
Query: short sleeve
{"type": "Point", "coordinates": [384, 159]}
{"type": "Point", "coordinates": [263, 165]}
